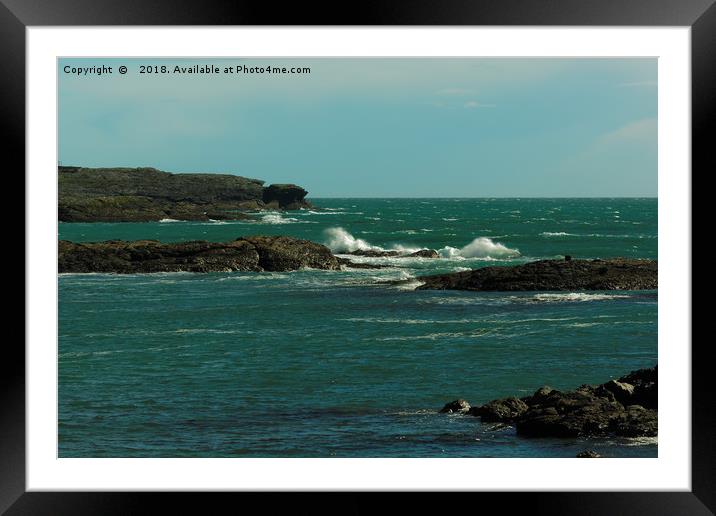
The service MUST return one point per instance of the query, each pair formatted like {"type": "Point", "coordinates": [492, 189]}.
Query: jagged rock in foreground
{"type": "Point", "coordinates": [545, 275]}
{"type": "Point", "coordinates": [588, 454]}
{"type": "Point", "coordinates": [500, 410]}
{"type": "Point", "coordinates": [587, 411]}
{"type": "Point", "coordinates": [257, 253]}
{"type": "Point", "coordinates": [148, 194]}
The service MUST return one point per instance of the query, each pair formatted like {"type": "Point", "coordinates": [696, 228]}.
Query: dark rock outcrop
{"type": "Point", "coordinates": [588, 454]}
{"type": "Point", "coordinates": [569, 414]}
{"type": "Point", "coordinates": [645, 391]}
{"type": "Point", "coordinates": [504, 410]}
{"type": "Point", "coordinates": [374, 254]}
{"type": "Point", "coordinates": [607, 409]}
{"type": "Point", "coordinates": [285, 196]}
{"type": "Point", "coordinates": [422, 253]}
{"type": "Point", "coordinates": [425, 253]}
{"type": "Point", "coordinates": [148, 194]}
{"type": "Point", "coordinates": [258, 253]}
{"type": "Point", "coordinates": [552, 275]}
{"type": "Point", "coordinates": [358, 265]}
{"type": "Point", "coordinates": [457, 406]}
{"type": "Point", "coordinates": [281, 253]}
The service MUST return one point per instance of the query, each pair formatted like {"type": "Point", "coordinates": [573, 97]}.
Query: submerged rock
{"type": "Point", "coordinates": [552, 275]}
{"type": "Point", "coordinates": [257, 253]}
{"type": "Point", "coordinates": [457, 406]}
{"type": "Point", "coordinates": [606, 409]}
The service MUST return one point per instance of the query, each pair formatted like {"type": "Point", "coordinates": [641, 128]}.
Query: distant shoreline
{"type": "Point", "coordinates": [148, 194]}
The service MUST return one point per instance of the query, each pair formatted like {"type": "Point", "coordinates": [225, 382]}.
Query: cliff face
{"type": "Point", "coordinates": [146, 194]}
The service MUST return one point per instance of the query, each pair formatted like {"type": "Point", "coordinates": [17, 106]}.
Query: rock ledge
{"type": "Point", "coordinates": [552, 275]}
{"type": "Point", "coordinates": [587, 411]}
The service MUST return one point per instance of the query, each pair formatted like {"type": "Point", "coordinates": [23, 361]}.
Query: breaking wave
{"type": "Point", "coordinates": [481, 247]}
{"type": "Point", "coordinates": [341, 241]}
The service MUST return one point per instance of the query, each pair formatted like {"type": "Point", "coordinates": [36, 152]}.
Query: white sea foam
{"type": "Point", "coordinates": [341, 241]}
{"type": "Point", "coordinates": [277, 218]}
{"type": "Point", "coordinates": [437, 335]}
{"type": "Point", "coordinates": [640, 441]}
{"type": "Point", "coordinates": [556, 234]}
{"type": "Point", "coordinates": [169, 220]}
{"type": "Point", "coordinates": [481, 247]}
{"type": "Point", "coordinates": [576, 296]}
{"type": "Point", "coordinates": [411, 321]}
{"type": "Point", "coordinates": [496, 300]}
{"type": "Point", "coordinates": [410, 285]}
{"type": "Point", "coordinates": [313, 212]}
{"type": "Point", "coordinates": [595, 235]}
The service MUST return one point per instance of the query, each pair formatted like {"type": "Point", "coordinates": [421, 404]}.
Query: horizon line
{"type": "Point", "coordinates": [499, 197]}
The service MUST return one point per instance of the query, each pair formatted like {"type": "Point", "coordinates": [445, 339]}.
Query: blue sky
{"type": "Point", "coordinates": [444, 127]}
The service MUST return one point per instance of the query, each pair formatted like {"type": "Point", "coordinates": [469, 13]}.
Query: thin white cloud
{"type": "Point", "coordinates": [456, 91]}
{"type": "Point", "coordinates": [473, 104]}
{"type": "Point", "coordinates": [637, 84]}
{"type": "Point", "coordinates": [637, 131]}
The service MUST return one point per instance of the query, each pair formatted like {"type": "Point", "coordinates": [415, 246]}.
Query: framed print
{"type": "Point", "coordinates": [271, 252]}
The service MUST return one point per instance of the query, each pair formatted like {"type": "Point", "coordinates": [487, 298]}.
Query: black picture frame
{"type": "Point", "coordinates": [17, 15]}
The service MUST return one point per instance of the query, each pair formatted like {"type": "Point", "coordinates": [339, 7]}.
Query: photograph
{"type": "Point", "coordinates": [357, 257]}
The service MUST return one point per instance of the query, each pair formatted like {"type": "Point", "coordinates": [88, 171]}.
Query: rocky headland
{"type": "Point", "coordinates": [626, 407]}
{"type": "Point", "coordinates": [148, 194]}
{"type": "Point", "coordinates": [555, 275]}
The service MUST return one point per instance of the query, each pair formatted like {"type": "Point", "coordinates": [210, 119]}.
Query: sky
{"type": "Point", "coordinates": [377, 127]}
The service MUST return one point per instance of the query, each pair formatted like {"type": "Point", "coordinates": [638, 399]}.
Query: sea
{"type": "Point", "coordinates": [317, 363]}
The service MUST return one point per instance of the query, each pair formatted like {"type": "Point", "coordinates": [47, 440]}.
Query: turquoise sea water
{"type": "Point", "coordinates": [336, 363]}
